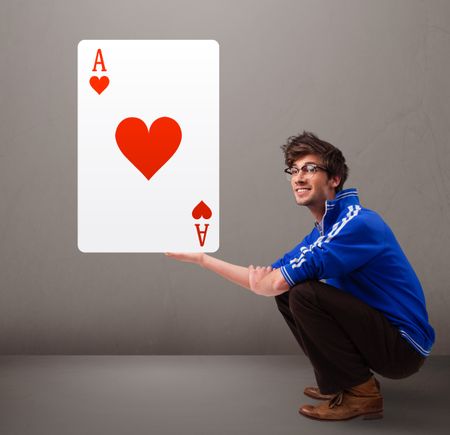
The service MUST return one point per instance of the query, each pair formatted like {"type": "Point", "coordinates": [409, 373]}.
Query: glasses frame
{"type": "Point", "coordinates": [305, 172]}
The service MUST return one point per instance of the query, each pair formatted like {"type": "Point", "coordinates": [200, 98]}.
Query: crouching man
{"type": "Point", "coordinates": [346, 291]}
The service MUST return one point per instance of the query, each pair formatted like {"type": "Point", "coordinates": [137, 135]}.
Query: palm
{"type": "Point", "coordinates": [189, 257]}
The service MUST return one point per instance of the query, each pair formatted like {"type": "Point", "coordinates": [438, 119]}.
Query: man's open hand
{"type": "Point", "coordinates": [188, 257]}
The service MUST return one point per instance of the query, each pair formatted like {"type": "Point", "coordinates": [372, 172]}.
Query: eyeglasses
{"type": "Point", "coordinates": [308, 170]}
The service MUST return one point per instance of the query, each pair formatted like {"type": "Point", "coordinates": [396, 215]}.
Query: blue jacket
{"type": "Point", "coordinates": [354, 250]}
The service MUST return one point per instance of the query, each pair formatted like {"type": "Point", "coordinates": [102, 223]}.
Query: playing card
{"type": "Point", "coordinates": [148, 146]}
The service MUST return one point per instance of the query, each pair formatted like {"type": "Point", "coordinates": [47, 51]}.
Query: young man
{"type": "Point", "coordinates": [370, 314]}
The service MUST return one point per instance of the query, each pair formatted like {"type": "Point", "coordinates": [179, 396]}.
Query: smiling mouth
{"type": "Point", "coordinates": [302, 189]}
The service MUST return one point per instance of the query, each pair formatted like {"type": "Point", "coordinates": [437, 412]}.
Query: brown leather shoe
{"type": "Point", "coordinates": [362, 400]}
{"type": "Point", "coordinates": [315, 393]}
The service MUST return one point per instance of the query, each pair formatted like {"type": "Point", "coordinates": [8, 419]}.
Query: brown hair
{"type": "Point", "coordinates": [308, 143]}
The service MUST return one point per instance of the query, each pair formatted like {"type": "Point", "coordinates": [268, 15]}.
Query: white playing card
{"type": "Point", "coordinates": [128, 201]}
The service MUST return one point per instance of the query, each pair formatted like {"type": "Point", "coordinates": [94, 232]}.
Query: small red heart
{"type": "Point", "coordinates": [148, 149]}
{"type": "Point", "coordinates": [99, 84]}
{"type": "Point", "coordinates": [201, 210]}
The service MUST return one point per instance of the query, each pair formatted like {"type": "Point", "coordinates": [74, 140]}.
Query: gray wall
{"type": "Point", "coordinates": [372, 77]}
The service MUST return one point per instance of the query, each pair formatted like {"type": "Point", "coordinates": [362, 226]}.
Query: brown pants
{"type": "Point", "coordinates": [344, 338]}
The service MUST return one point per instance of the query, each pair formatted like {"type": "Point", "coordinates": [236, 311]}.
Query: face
{"type": "Point", "coordinates": [313, 192]}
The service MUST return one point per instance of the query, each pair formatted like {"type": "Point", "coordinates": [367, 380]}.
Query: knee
{"type": "Point", "coordinates": [302, 294]}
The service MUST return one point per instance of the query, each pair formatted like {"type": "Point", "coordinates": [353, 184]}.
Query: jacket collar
{"type": "Point", "coordinates": [334, 207]}
{"type": "Point", "coordinates": [344, 198]}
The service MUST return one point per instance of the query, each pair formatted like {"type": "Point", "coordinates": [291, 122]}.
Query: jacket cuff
{"type": "Point", "coordinates": [289, 279]}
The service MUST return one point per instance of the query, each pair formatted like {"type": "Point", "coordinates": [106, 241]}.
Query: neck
{"type": "Point", "coordinates": [318, 211]}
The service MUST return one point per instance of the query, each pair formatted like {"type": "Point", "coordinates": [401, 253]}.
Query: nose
{"type": "Point", "coordinates": [298, 178]}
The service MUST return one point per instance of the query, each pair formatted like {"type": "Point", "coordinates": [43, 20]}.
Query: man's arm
{"type": "Point", "coordinates": [260, 280]}
{"type": "Point", "coordinates": [352, 243]}
{"type": "Point", "coordinates": [231, 272]}
{"type": "Point", "coordinates": [267, 284]}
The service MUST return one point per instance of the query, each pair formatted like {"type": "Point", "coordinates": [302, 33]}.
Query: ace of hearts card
{"type": "Point", "coordinates": [148, 146]}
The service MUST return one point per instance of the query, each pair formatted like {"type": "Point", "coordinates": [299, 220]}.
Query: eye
{"type": "Point", "coordinates": [310, 168]}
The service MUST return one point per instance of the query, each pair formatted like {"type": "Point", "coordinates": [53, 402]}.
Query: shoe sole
{"type": "Point", "coordinates": [376, 415]}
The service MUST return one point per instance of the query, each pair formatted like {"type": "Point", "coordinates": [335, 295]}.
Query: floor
{"type": "Point", "coordinates": [211, 395]}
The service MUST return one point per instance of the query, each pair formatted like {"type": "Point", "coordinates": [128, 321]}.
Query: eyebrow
{"type": "Point", "coordinates": [307, 163]}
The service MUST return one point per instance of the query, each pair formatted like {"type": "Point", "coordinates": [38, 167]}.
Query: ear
{"type": "Point", "coordinates": [334, 181]}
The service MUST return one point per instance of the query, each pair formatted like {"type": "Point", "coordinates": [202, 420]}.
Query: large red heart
{"type": "Point", "coordinates": [99, 84]}
{"type": "Point", "coordinates": [148, 149]}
